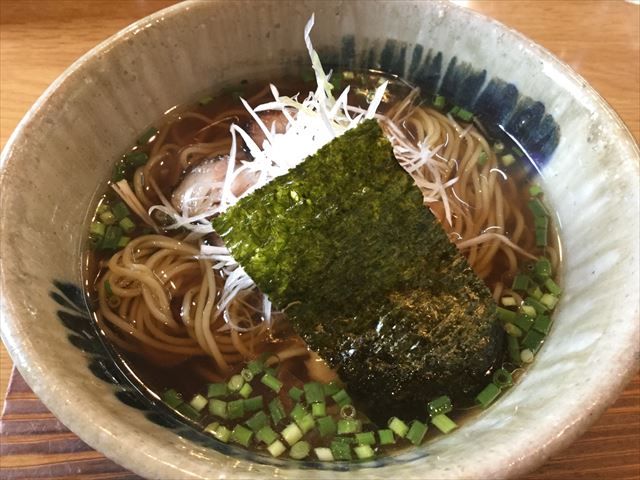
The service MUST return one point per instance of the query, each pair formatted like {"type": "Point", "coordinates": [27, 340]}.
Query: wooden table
{"type": "Point", "coordinates": [599, 39]}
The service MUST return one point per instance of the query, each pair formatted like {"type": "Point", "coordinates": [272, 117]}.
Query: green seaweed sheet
{"type": "Point", "coordinates": [367, 276]}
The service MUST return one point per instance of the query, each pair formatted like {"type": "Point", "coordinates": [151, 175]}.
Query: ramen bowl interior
{"type": "Point", "coordinates": [55, 164]}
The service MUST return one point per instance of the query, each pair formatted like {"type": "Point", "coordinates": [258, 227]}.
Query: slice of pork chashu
{"type": "Point", "coordinates": [367, 276]}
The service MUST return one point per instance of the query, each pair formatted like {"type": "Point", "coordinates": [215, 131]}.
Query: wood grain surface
{"type": "Point", "coordinates": [599, 39]}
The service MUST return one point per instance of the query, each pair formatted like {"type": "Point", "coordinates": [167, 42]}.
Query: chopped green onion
{"type": "Point", "coordinates": [482, 158]}
{"type": "Point", "coordinates": [541, 237]}
{"type": "Point", "coordinates": [543, 267]}
{"type": "Point", "coordinates": [418, 430]}
{"type": "Point", "coordinates": [235, 409]}
{"type": "Point", "coordinates": [319, 409]}
{"type": "Point", "coordinates": [508, 301]}
{"type": "Point", "coordinates": [330, 389]}
{"type": "Point", "coordinates": [253, 404]}
{"type": "Point", "coordinates": [341, 450]}
{"type": "Point", "coordinates": [257, 421]}
{"type": "Point", "coordinates": [512, 330]}
{"type": "Point", "coordinates": [365, 438]}
{"type": "Point", "coordinates": [535, 292]}
{"type": "Point", "coordinates": [111, 237]}
{"type": "Point", "coordinates": [502, 378]}
{"type": "Point", "coordinates": [217, 390]}
{"type": "Point", "coordinates": [108, 218]}
{"type": "Point", "coordinates": [241, 435]}
{"type": "Point", "coordinates": [295, 393]}
{"type": "Point", "coordinates": [539, 307]}
{"type": "Point", "coordinates": [300, 450]}
{"type": "Point", "coordinates": [235, 383]}
{"type": "Point", "coordinates": [541, 223]}
{"type": "Point", "coordinates": [364, 451]}
{"type": "Point", "coordinates": [245, 391]}
{"type": "Point", "coordinates": [103, 207]}
{"type": "Point", "coordinates": [123, 242]}
{"type": "Point", "coordinates": [266, 435]}
{"type": "Point", "coordinates": [508, 159]}
{"type": "Point", "coordinates": [444, 423]}
{"type": "Point", "coordinates": [549, 300]}
{"type": "Point", "coordinates": [146, 136]}
{"type": "Point", "coordinates": [526, 356]}
{"type": "Point", "coordinates": [198, 402]}
{"type": "Point", "coordinates": [505, 315]}
{"type": "Point", "coordinates": [306, 423]}
{"type": "Point", "coordinates": [488, 395]}
{"type": "Point", "coordinates": [247, 374]}
{"type": "Point", "coordinates": [537, 208]}
{"type": "Point", "coordinates": [347, 411]}
{"type": "Point", "coordinates": [454, 111]}
{"type": "Point", "coordinates": [398, 427]}
{"type": "Point", "coordinates": [326, 426]}
{"type": "Point", "coordinates": [532, 340]}
{"type": "Point", "coordinates": [97, 229]}
{"type": "Point", "coordinates": [171, 397]}
{"type": "Point", "coordinates": [127, 225]}
{"type": "Point", "coordinates": [206, 100]}
{"type": "Point", "coordinates": [211, 428]}
{"type": "Point", "coordinates": [222, 433]}
{"type": "Point", "coordinates": [523, 322]}
{"type": "Point", "coordinates": [291, 433]}
{"type": "Point", "coordinates": [513, 347]}
{"type": "Point", "coordinates": [386, 436]}
{"type": "Point", "coordinates": [535, 190]}
{"type": "Point", "coordinates": [342, 398]}
{"type": "Point", "coordinates": [272, 382]}
{"type": "Point", "coordinates": [542, 324]}
{"type": "Point", "coordinates": [324, 454]}
{"type": "Point", "coordinates": [498, 147]}
{"type": "Point", "coordinates": [276, 409]}
{"type": "Point", "coordinates": [439, 405]}
{"type": "Point", "coordinates": [313, 392]}
{"type": "Point", "coordinates": [464, 115]}
{"type": "Point", "coordinates": [529, 311]}
{"type": "Point", "coordinates": [349, 425]}
{"type": "Point", "coordinates": [218, 408]}
{"type": "Point", "coordinates": [277, 448]}
{"type": "Point", "coordinates": [438, 101]}
{"type": "Point", "coordinates": [553, 287]}
{"type": "Point", "coordinates": [255, 367]}
{"type": "Point", "coordinates": [188, 411]}
{"type": "Point", "coordinates": [521, 282]}
{"type": "Point", "coordinates": [297, 412]}
{"type": "Point", "coordinates": [519, 153]}
{"type": "Point", "coordinates": [120, 210]}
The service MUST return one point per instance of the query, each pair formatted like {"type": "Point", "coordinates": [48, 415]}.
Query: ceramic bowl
{"type": "Point", "coordinates": [57, 160]}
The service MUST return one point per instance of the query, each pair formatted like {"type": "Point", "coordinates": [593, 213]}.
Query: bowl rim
{"type": "Point", "coordinates": [90, 432]}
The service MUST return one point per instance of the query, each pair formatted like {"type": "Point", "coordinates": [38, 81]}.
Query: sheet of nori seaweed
{"type": "Point", "coordinates": [368, 277]}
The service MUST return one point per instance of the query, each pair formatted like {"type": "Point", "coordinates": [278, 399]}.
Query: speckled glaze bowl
{"type": "Point", "coordinates": [57, 159]}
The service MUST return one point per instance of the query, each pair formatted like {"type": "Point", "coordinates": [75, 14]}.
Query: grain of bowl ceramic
{"type": "Point", "coordinates": [56, 161]}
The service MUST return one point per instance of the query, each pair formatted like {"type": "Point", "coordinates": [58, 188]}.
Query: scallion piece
{"type": "Point", "coordinates": [386, 436]}
{"type": "Point", "coordinates": [342, 398]}
{"type": "Point", "coordinates": [549, 301]}
{"type": "Point", "coordinates": [523, 321]}
{"type": "Point", "coordinates": [518, 153]}
{"type": "Point", "coordinates": [535, 292]}
{"type": "Point", "coordinates": [341, 450]}
{"type": "Point", "coordinates": [324, 454]}
{"type": "Point", "coordinates": [120, 210]}
{"type": "Point", "coordinates": [111, 237]}
{"type": "Point", "coordinates": [537, 208]}
{"type": "Point", "coordinates": [502, 378]}
{"type": "Point", "coordinates": [538, 306]}
{"type": "Point", "coordinates": [542, 324]}
{"type": "Point", "coordinates": [188, 411]}
{"type": "Point", "coordinates": [222, 433]}
{"type": "Point", "coordinates": [218, 408]}
{"type": "Point", "coordinates": [97, 229]}
{"type": "Point", "coordinates": [255, 367]}
{"type": "Point", "coordinates": [535, 190]}
{"type": "Point", "coordinates": [235, 383]}
{"type": "Point", "coordinates": [507, 160]}
{"type": "Point", "coordinates": [488, 395]}
{"type": "Point", "coordinates": [291, 433]}
{"type": "Point", "coordinates": [512, 330]}
{"type": "Point", "coordinates": [217, 390]}
{"type": "Point", "coordinates": [247, 374]}
{"type": "Point", "coordinates": [306, 423]}
{"type": "Point", "coordinates": [543, 267]}
{"type": "Point", "coordinates": [521, 283]}
{"type": "Point", "coordinates": [146, 136]}
{"type": "Point", "coordinates": [365, 438]}
{"type": "Point", "coordinates": [363, 452]}
{"type": "Point", "coordinates": [508, 301]}
{"type": "Point", "coordinates": [276, 409]}
{"type": "Point", "coordinates": [241, 435]}
{"type": "Point", "coordinates": [326, 426]}
{"type": "Point", "coordinates": [443, 423]}
{"type": "Point", "coordinates": [277, 448]}
{"type": "Point", "coordinates": [313, 392]}
{"type": "Point", "coordinates": [541, 222]}
{"type": "Point", "coordinates": [108, 218]}
{"type": "Point", "coordinates": [297, 412]}
{"type": "Point", "coordinates": [235, 409]}
{"type": "Point", "coordinates": [418, 430]}
{"type": "Point", "coordinates": [439, 405]}
{"type": "Point", "coordinates": [266, 435]}
{"type": "Point", "coordinates": [482, 158]}
{"type": "Point", "coordinates": [533, 340]}
{"type": "Point", "coordinates": [553, 287]}
{"type": "Point", "coordinates": [253, 404]}
{"type": "Point", "coordinates": [257, 421]}
{"type": "Point", "coordinates": [296, 393]}
{"type": "Point", "coordinates": [498, 147]}
{"type": "Point", "coordinates": [526, 356]}
{"type": "Point", "coordinates": [505, 315]}
{"type": "Point", "coordinates": [398, 427]}
{"type": "Point", "coordinates": [347, 411]}
{"type": "Point", "coordinates": [198, 402]}
{"type": "Point", "coordinates": [300, 450]}
{"type": "Point", "coordinates": [513, 347]}
{"type": "Point", "coordinates": [245, 391]}
{"type": "Point", "coordinates": [172, 398]}
{"type": "Point", "coordinates": [529, 311]}
{"type": "Point", "coordinates": [349, 425]}
{"type": "Point", "coordinates": [541, 237]}
{"type": "Point", "coordinates": [454, 111]}
{"type": "Point", "coordinates": [211, 428]}
{"type": "Point", "coordinates": [330, 389]}
{"type": "Point", "coordinates": [464, 115]}
{"type": "Point", "coordinates": [438, 101]}
{"type": "Point", "coordinates": [123, 242]}
{"type": "Point", "coordinates": [272, 382]}
{"type": "Point", "coordinates": [127, 225]}
{"type": "Point", "coordinates": [319, 409]}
